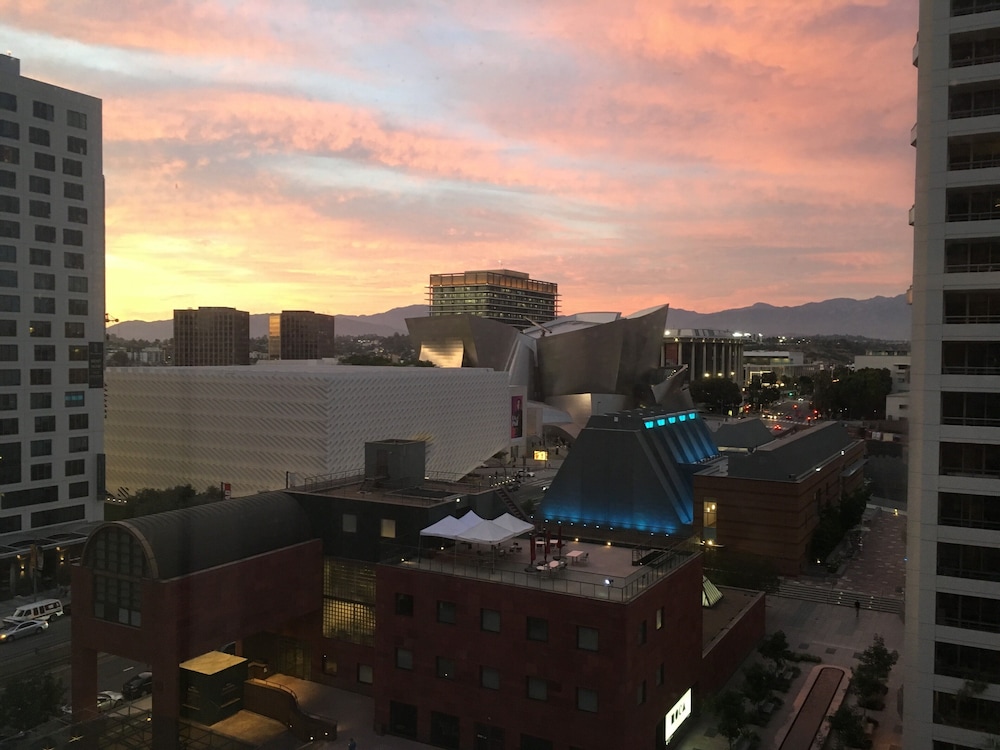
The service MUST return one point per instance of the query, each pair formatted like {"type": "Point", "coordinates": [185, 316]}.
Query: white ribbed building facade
{"type": "Point", "coordinates": [257, 427]}
{"type": "Point", "coordinates": [51, 306]}
{"type": "Point", "coordinates": [952, 656]}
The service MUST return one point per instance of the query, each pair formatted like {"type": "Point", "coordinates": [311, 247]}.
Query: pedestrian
{"type": "Point", "coordinates": [857, 608]}
{"type": "Point", "coordinates": [352, 745]}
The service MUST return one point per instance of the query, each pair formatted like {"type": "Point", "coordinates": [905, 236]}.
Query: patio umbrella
{"type": "Point", "coordinates": [548, 544]}
{"type": "Point", "coordinates": [531, 544]}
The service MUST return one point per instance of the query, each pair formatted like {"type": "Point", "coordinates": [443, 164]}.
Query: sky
{"type": "Point", "coordinates": [330, 155]}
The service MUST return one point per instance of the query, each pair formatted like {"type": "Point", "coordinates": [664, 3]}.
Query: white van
{"type": "Point", "coordinates": [40, 610]}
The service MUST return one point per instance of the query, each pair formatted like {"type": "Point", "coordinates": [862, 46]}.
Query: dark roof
{"type": "Point", "coordinates": [790, 458]}
{"type": "Point", "coordinates": [746, 433]}
{"type": "Point", "coordinates": [185, 541]}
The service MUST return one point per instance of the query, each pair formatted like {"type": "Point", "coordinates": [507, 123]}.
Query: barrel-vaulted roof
{"type": "Point", "coordinates": [182, 542]}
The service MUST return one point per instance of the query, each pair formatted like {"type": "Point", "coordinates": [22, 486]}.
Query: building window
{"type": "Point", "coordinates": [40, 329]}
{"type": "Point", "coordinates": [39, 256]}
{"type": "Point", "coordinates": [8, 179]}
{"type": "Point", "coordinates": [10, 204]}
{"type": "Point", "coordinates": [659, 618]}
{"type": "Point", "coordinates": [10, 129]}
{"type": "Point", "coordinates": [388, 530]}
{"type": "Point", "coordinates": [11, 229]}
{"type": "Point", "coordinates": [404, 604]}
{"type": "Point", "coordinates": [8, 101]}
{"type": "Point", "coordinates": [956, 660]}
{"type": "Point", "coordinates": [489, 678]}
{"type": "Point", "coordinates": [76, 214]}
{"type": "Point", "coordinates": [73, 238]}
{"type": "Point", "coordinates": [45, 305]}
{"type": "Point", "coordinates": [77, 284]}
{"type": "Point", "coordinates": [10, 377]}
{"type": "Point", "coordinates": [538, 689]}
{"type": "Point", "coordinates": [329, 665]}
{"type": "Point", "coordinates": [79, 421]}
{"type": "Point", "coordinates": [44, 233]}
{"type": "Point", "coordinates": [968, 561]}
{"type": "Point", "coordinates": [39, 136]}
{"type": "Point", "coordinates": [45, 424]}
{"type": "Point", "coordinates": [78, 376]}
{"type": "Point", "coordinates": [74, 467]}
{"type": "Point", "coordinates": [79, 489]}
{"type": "Point", "coordinates": [77, 307]}
{"type": "Point", "coordinates": [45, 162]}
{"type": "Point", "coordinates": [43, 111]}
{"type": "Point", "coordinates": [76, 145]}
{"type": "Point", "coordinates": [8, 254]}
{"type": "Point", "coordinates": [446, 612]}
{"type": "Point", "coordinates": [74, 330]}
{"type": "Point", "coordinates": [46, 281]}
{"type": "Point", "coordinates": [350, 523]}
{"type": "Point", "coordinates": [76, 119]}
{"type": "Point", "coordinates": [538, 629]}
{"type": "Point", "coordinates": [38, 184]}
{"type": "Point", "coordinates": [489, 620]}
{"type": "Point", "coordinates": [42, 400]}
{"type": "Point", "coordinates": [9, 426]}
{"type": "Point", "coordinates": [77, 353]}
{"type": "Point", "coordinates": [40, 472]}
{"type": "Point", "coordinates": [366, 674]}
{"type": "Point", "coordinates": [73, 190]}
{"type": "Point", "coordinates": [41, 448]}
{"type": "Point", "coordinates": [969, 511]}
{"type": "Point", "coordinates": [965, 712]}
{"type": "Point", "coordinates": [404, 658]}
{"type": "Point", "coordinates": [45, 353]}
{"type": "Point", "coordinates": [968, 612]}
{"type": "Point", "coordinates": [72, 167]}
{"type": "Point", "coordinates": [79, 444]}
{"type": "Point", "coordinates": [41, 377]}
{"type": "Point", "coordinates": [8, 327]}
{"type": "Point", "coordinates": [586, 638]}
{"type": "Point", "coordinates": [445, 668]}
{"type": "Point", "coordinates": [74, 398]}
{"type": "Point", "coordinates": [73, 260]}
{"type": "Point", "coordinates": [8, 352]}
{"type": "Point", "coordinates": [586, 700]}
{"type": "Point", "coordinates": [8, 402]}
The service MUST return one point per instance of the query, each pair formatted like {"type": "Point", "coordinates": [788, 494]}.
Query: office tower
{"type": "Point", "coordinates": [501, 295]}
{"type": "Point", "coordinates": [51, 305]}
{"type": "Point", "coordinates": [300, 334]}
{"type": "Point", "coordinates": [211, 336]}
{"type": "Point", "coordinates": [952, 658]}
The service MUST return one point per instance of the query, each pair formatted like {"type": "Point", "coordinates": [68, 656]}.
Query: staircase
{"type": "Point", "coordinates": [810, 593]}
{"type": "Point", "coordinates": [513, 508]}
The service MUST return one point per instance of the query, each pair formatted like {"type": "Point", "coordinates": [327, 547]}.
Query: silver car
{"type": "Point", "coordinates": [13, 630]}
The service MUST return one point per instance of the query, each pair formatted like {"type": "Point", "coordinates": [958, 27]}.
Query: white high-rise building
{"type": "Point", "coordinates": [51, 307]}
{"type": "Point", "coordinates": [952, 658]}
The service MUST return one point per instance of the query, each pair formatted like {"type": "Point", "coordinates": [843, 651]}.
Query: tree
{"type": "Point", "coordinates": [148, 501]}
{"type": "Point", "coordinates": [757, 684]}
{"type": "Point", "coordinates": [775, 648]}
{"type": "Point", "coordinates": [30, 700]}
{"type": "Point", "coordinates": [849, 726]}
{"type": "Point", "coordinates": [719, 394]}
{"type": "Point", "coordinates": [879, 659]}
{"type": "Point", "coordinates": [731, 715]}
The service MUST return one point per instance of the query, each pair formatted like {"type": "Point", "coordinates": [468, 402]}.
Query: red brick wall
{"type": "Point", "coordinates": [615, 670]}
{"type": "Point", "coordinates": [723, 656]}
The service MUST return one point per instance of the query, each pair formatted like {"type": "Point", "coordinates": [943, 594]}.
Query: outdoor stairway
{"type": "Point", "coordinates": [811, 593]}
{"type": "Point", "coordinates": [513, 508]}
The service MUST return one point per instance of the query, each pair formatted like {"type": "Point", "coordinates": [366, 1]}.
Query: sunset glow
{"type": "Point", "coordinates": [331, 155]}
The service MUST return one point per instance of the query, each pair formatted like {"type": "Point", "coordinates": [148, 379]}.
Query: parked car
{"type": "Point", "coordinates": [138, 686]}
{"type": "Point", "coordinates": [13, 630]}
{"type": "Point", "coordinates": [106, 700]}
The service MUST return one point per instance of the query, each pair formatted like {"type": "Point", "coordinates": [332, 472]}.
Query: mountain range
{"type": "Point", "coordinates": [885, 318]}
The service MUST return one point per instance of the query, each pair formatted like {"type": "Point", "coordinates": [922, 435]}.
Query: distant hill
{"type": "Point", "coordinates": [885, 318]}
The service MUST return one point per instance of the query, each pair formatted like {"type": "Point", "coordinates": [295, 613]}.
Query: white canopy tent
{"type": "Point", "coordinates": [450, 527]}
{"type": "Point", "coordinates": [513, 523]}
{"type": "Point", "coordinates": [488, 532]}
